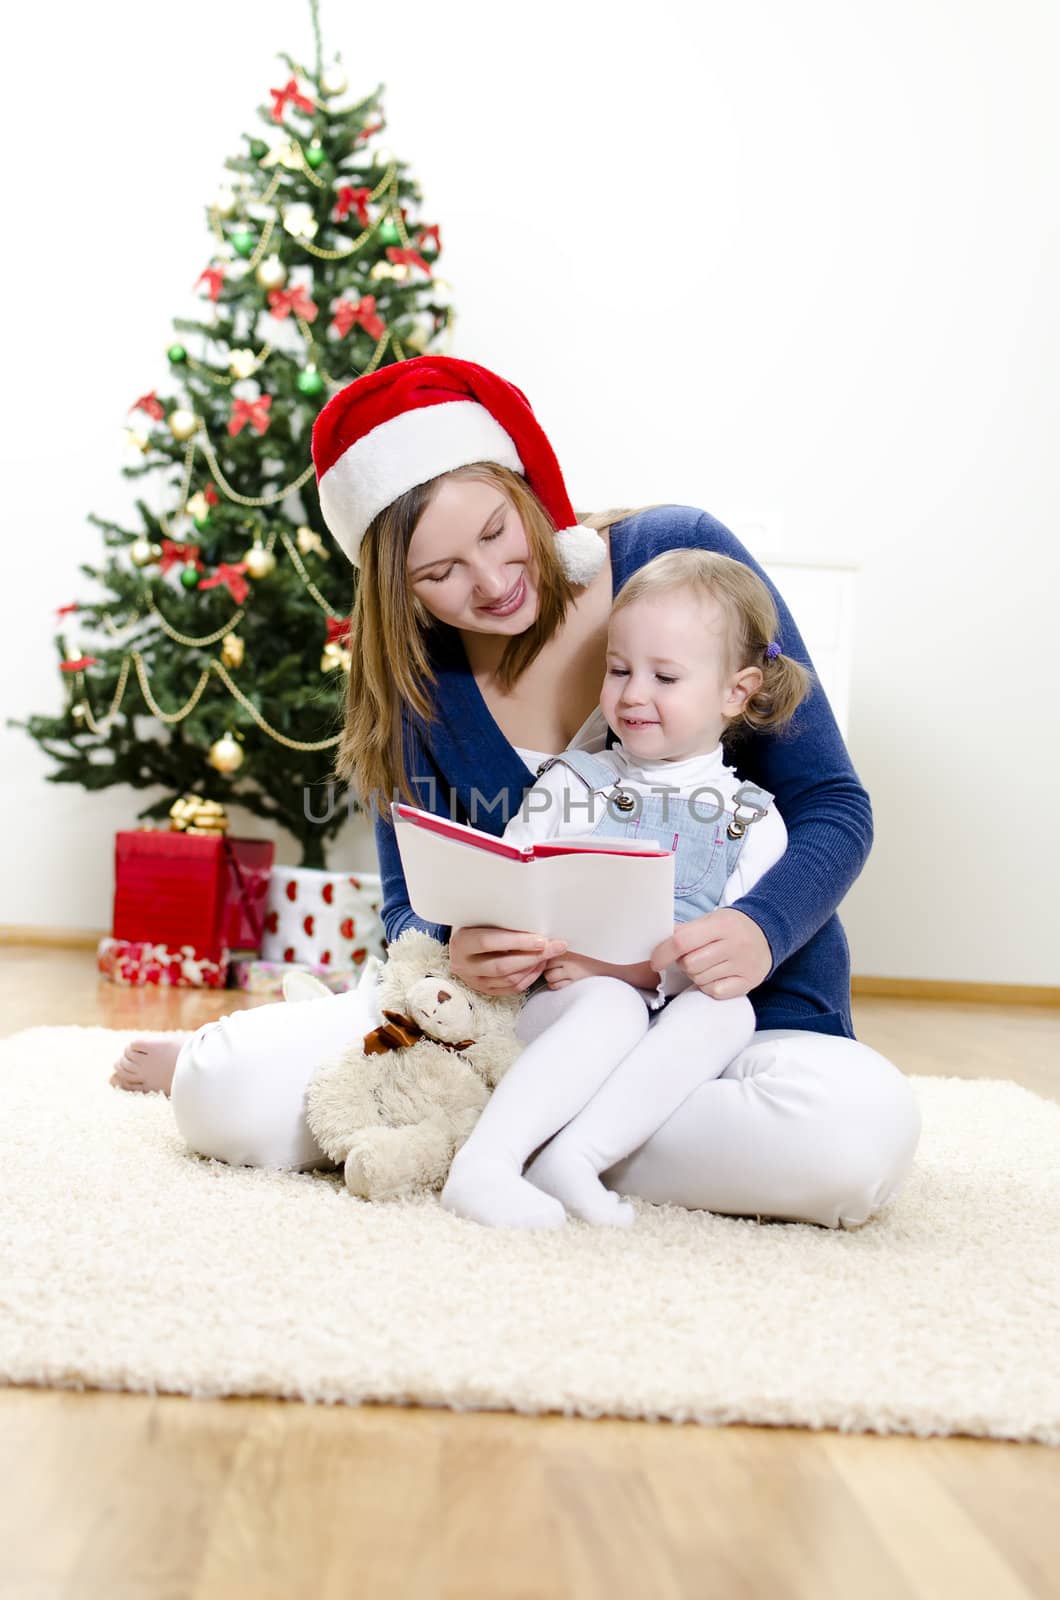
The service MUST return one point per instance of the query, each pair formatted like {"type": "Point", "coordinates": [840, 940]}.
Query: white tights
{"type": "Point", "coordinates": [800, 1126]}
{"type": "Point", "coordinates": [605, 1070]}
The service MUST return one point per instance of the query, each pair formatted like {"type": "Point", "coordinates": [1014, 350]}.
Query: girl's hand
{"type": "Point", "coordinates": [724, 953]}
{"type": "Point", "coordinates": [499, 960]}
{"type": "Point", "coordinates": [569, 968]}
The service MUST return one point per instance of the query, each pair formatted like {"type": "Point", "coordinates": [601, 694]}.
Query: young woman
{"type": "Point", "coordinates": [478, 651]}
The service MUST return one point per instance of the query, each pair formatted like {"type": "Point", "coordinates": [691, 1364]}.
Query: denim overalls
{"type": "Point", "coordinates": [706, 849]}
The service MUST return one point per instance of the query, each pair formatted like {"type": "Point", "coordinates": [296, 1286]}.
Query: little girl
{"type": "Point", "coordinates": [612, 1051]}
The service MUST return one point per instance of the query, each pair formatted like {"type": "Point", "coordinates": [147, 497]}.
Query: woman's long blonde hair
{"type": "Point", "coordinates": [389, 632]}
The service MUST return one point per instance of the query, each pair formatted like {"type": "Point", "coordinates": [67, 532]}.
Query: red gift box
{"type": "Point", "coordinates": [204, 890]}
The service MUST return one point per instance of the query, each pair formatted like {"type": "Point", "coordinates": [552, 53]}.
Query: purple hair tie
{"type": "Point", "coordinates": [772, 650]}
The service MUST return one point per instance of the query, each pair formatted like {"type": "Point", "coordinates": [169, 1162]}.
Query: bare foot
{"type": "Point", "coordinates": [147, 1064]}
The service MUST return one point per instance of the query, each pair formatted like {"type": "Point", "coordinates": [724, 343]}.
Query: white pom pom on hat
{"type": "Point", "coordinates": [407, 423]}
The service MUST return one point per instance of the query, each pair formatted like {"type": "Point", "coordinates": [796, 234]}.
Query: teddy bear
{"type": "Point", "coordinates": [395, 1106]}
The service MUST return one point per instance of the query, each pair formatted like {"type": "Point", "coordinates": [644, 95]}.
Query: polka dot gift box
{"type": "Point", "coordinates": [327, 918]}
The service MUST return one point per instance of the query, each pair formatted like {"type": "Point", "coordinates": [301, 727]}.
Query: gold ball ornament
{"type": "Point", "coordinates": [242, 363]}
{"type": "Point", "coordinates": [335, 656]}
{"type": "Point", "coordinates": [78, 711]}
{"type": "Point", "coordinates": [142, 552]}
{"type": "Point", "coordinates": [260, 562]}
{"type": "Point", "coordinates": [225, 755]}
{"type": "Point", "coordinates": [271, 273]}
{"type": "Point", "coordinates": [333, 81]}
{"type": "Point", "coordinates": [232, 650]}
{"type": "Point", "coordinates": [198, 507]}
{"type": "Point", "coordinates": [182, 423]}
{"type": "Point", "coordinates": [310, 543]}
{"type": "Point", "coordinates": [137, 440]}
{"type": "Point", "coordinates": [225, 201]}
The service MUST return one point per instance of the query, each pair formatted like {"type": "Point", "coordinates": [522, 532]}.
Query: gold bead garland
{"type": "Point", "coordinates": [299, 566]}
{"type": "Point", "coordinates": [171, 717]}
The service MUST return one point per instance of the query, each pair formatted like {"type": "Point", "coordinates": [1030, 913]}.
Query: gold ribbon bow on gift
{"type": "Point", "coordinates": [193, 814]}
{"type": "Point", "coordinates": [399, 1031]}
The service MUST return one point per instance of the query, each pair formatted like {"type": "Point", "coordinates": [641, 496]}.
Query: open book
{"type": "Point", "coordinates": [612, 899]}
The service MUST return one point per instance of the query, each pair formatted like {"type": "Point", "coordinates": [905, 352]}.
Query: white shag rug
{"type": "Point", "coordinates": [126, 1262]}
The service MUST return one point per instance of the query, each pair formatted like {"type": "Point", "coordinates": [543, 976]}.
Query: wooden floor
{"type": "Point", "coordinates": [127, 1496]}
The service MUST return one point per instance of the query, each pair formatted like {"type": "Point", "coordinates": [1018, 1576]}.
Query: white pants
{"type": "Point", "coordinates": [800, 1126]}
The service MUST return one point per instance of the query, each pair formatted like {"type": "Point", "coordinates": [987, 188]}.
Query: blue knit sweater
{"type": "Point", "coordinates": [805, 765]}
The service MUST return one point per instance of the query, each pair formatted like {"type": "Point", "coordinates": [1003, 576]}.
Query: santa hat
{"type": "Point", "coordinates": [406, 423]}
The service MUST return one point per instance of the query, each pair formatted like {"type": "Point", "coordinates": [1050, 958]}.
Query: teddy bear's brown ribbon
{"type": "Point", "coordinates": [399, 1031]}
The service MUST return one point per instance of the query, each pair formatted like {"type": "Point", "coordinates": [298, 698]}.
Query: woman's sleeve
{"type": "Point", "coordinates": [396, 913]}
{"type": "Point", "coordinates": [825, 807]}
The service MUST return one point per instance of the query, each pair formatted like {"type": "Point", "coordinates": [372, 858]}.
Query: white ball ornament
{"type": "Point", "coordinates": [271, 273]}
{"type": "Point", "coordinates": [142, 552]}
{"type": "Point", "coordinates": [182, 423]}
{"type": "Point", "coordinates": [225, 201]}
{"type": "Point", "coordinates": [334, 81]}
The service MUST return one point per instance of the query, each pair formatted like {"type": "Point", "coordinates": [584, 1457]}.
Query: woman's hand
{"type": "Point", "coordinates": [500, 960]}
{"type": "Point", "coordinates": [724, 953]}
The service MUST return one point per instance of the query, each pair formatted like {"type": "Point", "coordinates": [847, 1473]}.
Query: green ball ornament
{"type": "Point", "coordinates": [201, 523]}
{"type": "Point", "coordinates": [189, 578]}
{"type": "Point", "coordinates": [176, 355]}
{"type": "Point", "coordinates": [243, 243]}
{"type": "Point", "coordinates": [258, 148]}
{"type": "Point", "coordinates": [388, 231]}
{"type": "Point", "coordinates": [315, 156]}
{"type": "Point", "coordinates": [309, 383]}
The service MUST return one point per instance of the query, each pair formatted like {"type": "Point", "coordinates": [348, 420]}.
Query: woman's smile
{"type": "Point", "coordinates": [510, 602]}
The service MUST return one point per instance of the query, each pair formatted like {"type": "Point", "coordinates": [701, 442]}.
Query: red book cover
{"type": "Point", "coordinates": [463, 833]}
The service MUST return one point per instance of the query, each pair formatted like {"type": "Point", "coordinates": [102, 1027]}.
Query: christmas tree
{"type": "Point", "coordinates": [212, 663]}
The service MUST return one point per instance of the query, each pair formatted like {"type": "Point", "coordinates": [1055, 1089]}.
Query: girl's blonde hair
{"type": "Point", "coordinates": [390, 632]}
{"type": "Point", "coordinates": [752, 624]}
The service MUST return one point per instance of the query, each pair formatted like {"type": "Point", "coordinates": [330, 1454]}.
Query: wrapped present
{"type": "Point", "coordinates": [266, 977]}
{"type": "Point", "coordinates": [186, 886]}
{"type": "Point", "coordinates": [328, 919]}
{"type": "Point", "coordinates": [139, 962]}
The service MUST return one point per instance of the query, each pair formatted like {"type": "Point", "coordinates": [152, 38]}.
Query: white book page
{"type": "Point", "coordinates": [611, 907]}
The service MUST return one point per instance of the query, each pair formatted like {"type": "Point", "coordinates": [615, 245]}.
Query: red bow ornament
{"type": "Point", "coordinates": [175, 555]}
{"type": "Point", "coordinates": [61, 611]}
{"type": "Point", "coordinates": [79, 665]}
{"type": "Point", "coordinates": [289, 94]}
{"type": "Point", "coordinates": [366, 133]}
{"type": "Point", "coordinates": [256, 412]}
{"type": "Point", "coordinates": [230, 574]}
{"type": "Point", "coordinates": [410, 258]}
{"type": "Point", "coordinates": [283, 301]}
{"type": "Point", "coordinates": [352, 199]}
{"type": "Point", "coordinates": [347, 312]}
{"type": "Point", "coordinates": [148, 403]}
{"type": "Point", "coordinates": [338, 630]}
{"type": "Point", "coordinates": [433, 232]}
{"type": "Point", "coordinates": [214, 278]}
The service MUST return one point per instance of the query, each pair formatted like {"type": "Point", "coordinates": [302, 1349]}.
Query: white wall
{"type": "Point", "coordinates": [787, 262]}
